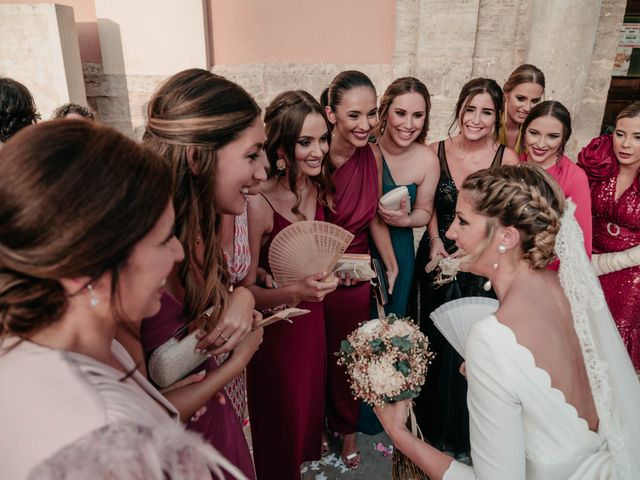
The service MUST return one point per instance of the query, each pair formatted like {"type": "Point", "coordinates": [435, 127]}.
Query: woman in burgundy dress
{"type": "Point", "coordinates": [286, 377]}
{"type": "Point", "coordinates": [210, 131]}
{"type": "Point", "coordinates": [612, 163]}
{"type": "Point", "coordinates": [350, 103]}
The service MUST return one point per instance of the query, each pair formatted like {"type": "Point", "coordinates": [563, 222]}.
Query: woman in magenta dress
{"type": "Point", "coordinates": [286, 377]}
{"type": "Point", "coordinates": [350, 103]}
{"type": "Point", "coordinates": [210, 131]}
{"type": "Point", "coordinates": [612, 163]}
{"type": "Point", "coordinates": [546, 131]}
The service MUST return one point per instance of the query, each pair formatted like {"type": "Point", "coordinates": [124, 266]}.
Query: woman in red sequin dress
{"type": "Point", "coordinates": [612, 163]}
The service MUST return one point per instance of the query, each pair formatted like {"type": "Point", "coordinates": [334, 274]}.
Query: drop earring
{"type": "Point", "coordinates": [281, 165]}
{"type": "Point", "coordinates": [94, 301]}
{"type": "Point", "coordinates": [487, 285]}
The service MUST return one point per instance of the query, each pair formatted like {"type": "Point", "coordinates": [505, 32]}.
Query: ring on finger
{"type": "Point", "coordinates": [224, 338]}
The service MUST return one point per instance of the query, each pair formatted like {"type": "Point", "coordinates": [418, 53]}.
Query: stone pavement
{"type": "Point", "coordinates": [374, 465]}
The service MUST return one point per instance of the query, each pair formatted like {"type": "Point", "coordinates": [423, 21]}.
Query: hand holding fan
{"type": "Point", "coordinates": [306, 248]}
{"type": "Point", "coordinates": [454, 319]}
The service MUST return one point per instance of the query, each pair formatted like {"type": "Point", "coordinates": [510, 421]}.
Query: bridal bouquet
{"type": "Point", "coordinates": [386, 359]}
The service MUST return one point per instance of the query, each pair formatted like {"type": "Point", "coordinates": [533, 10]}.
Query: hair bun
{"type": "Point", "coordinates": [26, 301]}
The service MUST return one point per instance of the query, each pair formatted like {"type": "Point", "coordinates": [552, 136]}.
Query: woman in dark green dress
{"type": "Point", "coordinates": [406, 161]}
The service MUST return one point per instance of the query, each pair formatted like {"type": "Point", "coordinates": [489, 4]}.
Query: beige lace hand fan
{"type": "Point", "coordinates": [306, 248]}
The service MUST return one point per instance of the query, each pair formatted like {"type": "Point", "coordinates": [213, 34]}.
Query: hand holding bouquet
{"type": "Point", "coordinates": [386, 360]}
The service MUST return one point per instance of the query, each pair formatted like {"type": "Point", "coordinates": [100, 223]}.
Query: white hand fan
{"type": "Point", "coordinates": [305, 248]}
{"type": "Point", "coordinates": [454, 319]}
{"type": "Point", "coordinates": [392, 200]}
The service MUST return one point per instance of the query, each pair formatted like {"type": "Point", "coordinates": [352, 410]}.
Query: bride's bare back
{"type": "Point", "coordinates": [537, 311]}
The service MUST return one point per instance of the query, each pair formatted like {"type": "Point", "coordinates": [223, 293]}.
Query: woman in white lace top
{"type": "Point", "coordinates": [542, 404]}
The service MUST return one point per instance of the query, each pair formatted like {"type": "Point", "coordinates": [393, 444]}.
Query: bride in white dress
{"type": "Point", "coordinates": [552, 393]}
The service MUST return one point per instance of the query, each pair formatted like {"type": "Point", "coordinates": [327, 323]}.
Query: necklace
{"type": "Point", "coordinates": [300, 190]}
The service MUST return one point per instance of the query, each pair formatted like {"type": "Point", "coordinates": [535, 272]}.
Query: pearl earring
{"type": "Point", "coordinates": [94, 301]}
{"type": "Point", "coordinates": [487, 285]}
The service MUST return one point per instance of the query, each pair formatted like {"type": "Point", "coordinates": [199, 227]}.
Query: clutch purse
{"type": "Point", "coordinates": [175, 358]}
{"type": "Point", "coordinates": [357, 265]}
{"type": "Point", "coordinates": [380, 284]}
{"type": "Point", "coordinates": [393, 200]}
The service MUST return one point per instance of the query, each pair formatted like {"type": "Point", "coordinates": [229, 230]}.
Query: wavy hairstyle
{"type": "Point", "coordinates": [525, 197]}
{"type": "Point", "coordinates": [192, 115]}
{"type": "Point", "coordinates": [17, 108]}
{"type": "Point", "coordinates": [75, 198]}
{"type": "Point", "coordinates": [399, 87]}
{"type": "Point", "coordinates": [284, 119]}
{"type": "Point", "coordinates": [525, 73]}
{"type": "Point", "coordinates": [476, 87]}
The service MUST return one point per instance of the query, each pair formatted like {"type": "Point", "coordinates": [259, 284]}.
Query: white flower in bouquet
{"type": "Point", "coordinates": [384, 378]}
{"type": "Point", "coordinates": [386, 360]}
{"type": "Point", "coordinates": [369, 328]}
{"type": "Point", "coordinates": [401, 329]}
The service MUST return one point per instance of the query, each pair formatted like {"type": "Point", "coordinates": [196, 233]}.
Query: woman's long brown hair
{"type": "Point", "coordinates": [192, 115]}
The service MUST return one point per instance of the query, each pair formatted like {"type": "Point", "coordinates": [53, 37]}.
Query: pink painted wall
{"type": "Point", "coordinates": [85, 15]}
{"type": "Point", "coordinates": [302, 31]}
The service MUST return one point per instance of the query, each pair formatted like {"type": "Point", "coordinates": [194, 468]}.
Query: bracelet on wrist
{"type": "Point", "coordinates": [437, 237]}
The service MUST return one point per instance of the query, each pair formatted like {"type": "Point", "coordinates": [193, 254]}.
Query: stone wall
{"type": "Point", "coordinates": [39, 48]}
{"type": "Point", "coordinates": [443, 42]}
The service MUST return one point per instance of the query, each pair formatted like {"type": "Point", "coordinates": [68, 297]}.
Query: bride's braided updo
{"type": "Point", "coordinates": [525, 197]}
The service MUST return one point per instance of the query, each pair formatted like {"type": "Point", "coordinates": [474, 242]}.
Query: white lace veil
{"type": "Point", "coordinates": [614, 385]}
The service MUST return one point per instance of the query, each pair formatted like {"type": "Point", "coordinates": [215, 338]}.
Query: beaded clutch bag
{"type": "Point", "coordinates": [174, 359]}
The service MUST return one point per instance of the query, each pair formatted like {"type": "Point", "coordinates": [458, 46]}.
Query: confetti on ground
{"type": "Point", "coordinates": [321, 476]}
{"type": "Point", "coordinates": [382, 448]}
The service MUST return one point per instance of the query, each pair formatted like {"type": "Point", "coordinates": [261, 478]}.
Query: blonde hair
{"type": "Point", "coordinates": [630, 111]}
{"type": "Point", "coordinates": [525, 73]}
{"type": "Point", "coordinates": [196, 112]}
{"type": "Point", "coordinates": [525, 197]}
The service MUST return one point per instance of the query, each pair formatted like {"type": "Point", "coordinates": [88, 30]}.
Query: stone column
{"type": "Point", "coordinates": [39, 48]}
{"type": "Point", "coordinates": [562, 37]}
{"type": "Point", "coordinates": [444, 60]}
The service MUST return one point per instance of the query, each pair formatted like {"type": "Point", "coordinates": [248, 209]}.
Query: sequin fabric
{"type": "Point", "coordinates": [616, 227]}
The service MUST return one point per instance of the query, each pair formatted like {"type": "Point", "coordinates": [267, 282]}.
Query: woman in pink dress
{"type": "Point", "coordinates": [612, 163]}
{"type": "Point", "coordinates": [546, 131]}
{"type": "Point", "coordinates": [523, 90]}
{"type": "Point", "coordinates": [350, 104]}
{"type": "Point", "coordinates": [210, 131]}
{"type": "Point", "coordinates": [286, 377]}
